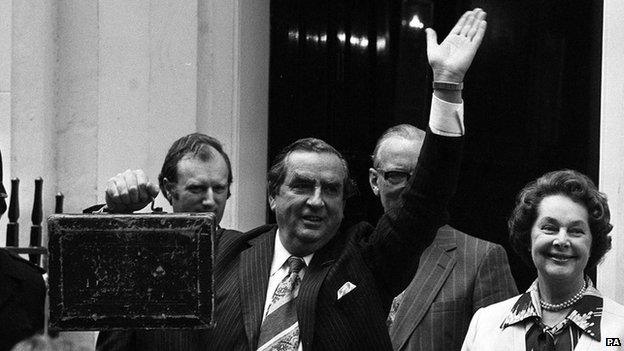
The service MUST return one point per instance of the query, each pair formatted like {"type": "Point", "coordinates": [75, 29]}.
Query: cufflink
{"type": "Point", "coordinates": [345, 289]}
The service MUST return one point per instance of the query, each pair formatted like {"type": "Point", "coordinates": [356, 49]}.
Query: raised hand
{"type": "Point", "coordinates": [451, 59]}
{"type": "Point", "coordinates": [129, 191]}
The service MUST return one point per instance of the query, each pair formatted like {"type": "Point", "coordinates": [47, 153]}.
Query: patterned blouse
{"type": "Point", "coordinates": [583, 318]}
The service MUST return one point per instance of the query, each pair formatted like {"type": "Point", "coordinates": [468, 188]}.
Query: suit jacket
{"type": "Point", "coordinates": [22, 298]}
{"type": "Point", "coordinates": [457, 275]}
{"type": "Point", "coordinates": [379, 261]}
{"type": "Point", "coordinates": [485, 333]}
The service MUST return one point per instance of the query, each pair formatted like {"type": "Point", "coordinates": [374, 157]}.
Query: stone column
{"type": "Point", "coordinates": [612, 145]}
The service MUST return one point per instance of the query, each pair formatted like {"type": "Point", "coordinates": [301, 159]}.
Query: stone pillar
{"type": "Point", "coordinates": [32, 105]}
{"type": "Point", "coordinates": [612, 145]}
{"type": "Point", "coordinates": [147, 84]}
{"type": "Point", "coordinates": [232, 98]}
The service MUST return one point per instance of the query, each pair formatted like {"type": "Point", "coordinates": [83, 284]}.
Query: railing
{"type": "Point", "coordinates": [35, 250]}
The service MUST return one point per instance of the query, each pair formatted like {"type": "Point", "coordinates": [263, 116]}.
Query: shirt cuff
{"type": "Point", "coordinates": [446, 118]}
{"type": "Point", "coordinates": [96, 209]}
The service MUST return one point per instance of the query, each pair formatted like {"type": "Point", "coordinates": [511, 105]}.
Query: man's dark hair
{"type": "Point", "coordinates": [278, 170]}
{"type": "Point", "coordinates": [195, 145]}
{"type": "Point", "coordinates": [580, 189]}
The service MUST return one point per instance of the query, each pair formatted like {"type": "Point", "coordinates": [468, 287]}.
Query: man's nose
{"type": "Point", "coordinates": [208, 200]}
{"type": "Point", "coordinates": [316, 199]}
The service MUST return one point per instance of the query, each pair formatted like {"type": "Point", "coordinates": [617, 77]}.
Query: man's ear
{"type": "Point", "coordinates": [169, 190]}
{"type": "Point", "coordinates": [373, 180]}
{"type": "Point", "coordinates": [272, 202]}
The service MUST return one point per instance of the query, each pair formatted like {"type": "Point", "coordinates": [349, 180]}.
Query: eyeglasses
{"type": "Point", "coordinates": [395, 177]}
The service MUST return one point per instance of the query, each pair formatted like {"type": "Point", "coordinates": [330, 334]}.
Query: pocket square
{"type": "Point", "coordinates": [345, 289]}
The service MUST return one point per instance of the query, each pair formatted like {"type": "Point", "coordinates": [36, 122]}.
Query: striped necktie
{"type": "Point", "coordinates": [280, 329]}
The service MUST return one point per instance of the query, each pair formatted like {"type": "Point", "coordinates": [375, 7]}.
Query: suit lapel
{"type": "Point", "coordinates": [254, 272]}
{"type": "Point", "coordinates": [433, 270]}
{"type": "Point", "coordinates": [315, 275]}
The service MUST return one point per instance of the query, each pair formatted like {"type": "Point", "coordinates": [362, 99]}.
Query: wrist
{"type": "Point", "coordinates": [452, 96]}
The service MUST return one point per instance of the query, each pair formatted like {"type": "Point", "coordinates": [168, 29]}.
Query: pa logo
{"type": "Point", "coordinates": [613, 342]}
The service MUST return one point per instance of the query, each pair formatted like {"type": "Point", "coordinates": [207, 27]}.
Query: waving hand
{"type": "Point", "coordinates": [451, 59]}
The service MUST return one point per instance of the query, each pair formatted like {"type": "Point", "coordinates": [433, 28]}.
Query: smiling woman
{"type": "Point", "coordinates": [561, 225]}
{"type": "Point", "coordinates": [560, 245]}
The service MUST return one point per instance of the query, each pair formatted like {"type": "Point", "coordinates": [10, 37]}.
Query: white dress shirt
{"type": "Point", "coordinates": [446, 118]}
{"type": "Point", "coordinates": [279, 270]}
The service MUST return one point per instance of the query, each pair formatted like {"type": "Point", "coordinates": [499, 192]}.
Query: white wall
{"type": "Point", "coordinates": [77, 103]}
{"type": "Point", "coordinates": [611, 181]}
{"type": "Point", "coordinates": [253, 110]}
{"type": "Point", "coordinates": [91, 88]}
{"type": "Point", "coordinates": [232, 103]}
{"type": "Point", "coordinates": [33, 101]}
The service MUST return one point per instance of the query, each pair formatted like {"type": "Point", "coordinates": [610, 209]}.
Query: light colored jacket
{"type": "Point", "coordinates": [485, 333]}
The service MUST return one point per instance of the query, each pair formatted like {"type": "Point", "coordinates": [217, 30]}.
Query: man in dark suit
{"type": "Point", "coordinates": [346, 277]}
{"type": "Point", "coordinates": [22, 298]}
{"type": "Point", "coordinates": [22, 293]}
{"type": "Point", "coordinates": [195, 177]}
{"type": "Point", "coordinates": [457, 274]}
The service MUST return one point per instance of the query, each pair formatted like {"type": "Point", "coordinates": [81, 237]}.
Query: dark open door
{"type": "Point", "coordinates": [345, 71]}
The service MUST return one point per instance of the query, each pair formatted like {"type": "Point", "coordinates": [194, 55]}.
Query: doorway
{"type": "Point", "coordinates": [344, 71]}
